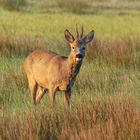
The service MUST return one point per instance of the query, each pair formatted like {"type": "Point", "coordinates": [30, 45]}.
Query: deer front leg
{"type": "Point", "coordinates": [52, 93]}
{"type": "Point", "coordinates": [67, 98]}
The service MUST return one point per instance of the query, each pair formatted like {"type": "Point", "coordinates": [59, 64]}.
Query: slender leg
{"type": "Point", "coordinates": [41, 92]}
{"type": "Point", "coordinates": [33, 87]}
{"type": "Point", "coordinates": [52, 93]}
{"type": "Point", "coordinates": [67, 98]}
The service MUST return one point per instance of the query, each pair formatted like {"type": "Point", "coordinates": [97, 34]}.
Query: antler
{"type": "Point", "coordinates": [77, 32]}
{"type": "Point", "coordinates": [81, 35]}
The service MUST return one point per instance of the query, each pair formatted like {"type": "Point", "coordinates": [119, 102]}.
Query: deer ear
{"type": "Point", "coordinates": [69, 37]}
{"type": "Point", "coordinates": [88, 37]}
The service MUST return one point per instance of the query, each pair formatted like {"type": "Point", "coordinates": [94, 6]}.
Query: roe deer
{"type": "Point", "coordinates": [47, 71]}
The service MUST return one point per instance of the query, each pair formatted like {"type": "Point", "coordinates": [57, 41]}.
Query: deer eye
{"type": "Point", "coordinates": [73, 48]}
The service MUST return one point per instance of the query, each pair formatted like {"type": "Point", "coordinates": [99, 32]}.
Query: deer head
{"type": "Point", "coordinates": [78, 44]}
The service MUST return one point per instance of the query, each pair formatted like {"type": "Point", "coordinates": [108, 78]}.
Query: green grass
{"type": "Point", "coordinates": [41, 24]}
{"type": "Point", "coordinates": [106, 95]}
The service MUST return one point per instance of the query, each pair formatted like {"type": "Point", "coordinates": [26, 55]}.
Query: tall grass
{"type": "Point", "coordinates": [120, 51]}
{"type": "Point", "coordinates": [104, 118]}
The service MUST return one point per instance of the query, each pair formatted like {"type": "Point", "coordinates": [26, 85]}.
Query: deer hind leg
{"type": "Point", "coordinates": [41, 92]}
{"type": "Point", "coordinates": [33, 87]}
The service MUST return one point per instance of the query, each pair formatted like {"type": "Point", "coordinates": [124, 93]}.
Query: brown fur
{"type": "Point", "coordinates": [47, 71]}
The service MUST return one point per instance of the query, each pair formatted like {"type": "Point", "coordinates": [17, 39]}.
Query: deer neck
{"type": "Point", "coordinates": [73, 66]}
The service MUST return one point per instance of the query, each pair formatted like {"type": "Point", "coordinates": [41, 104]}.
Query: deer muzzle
{"type": "Point", "coordinates": [79, 57]}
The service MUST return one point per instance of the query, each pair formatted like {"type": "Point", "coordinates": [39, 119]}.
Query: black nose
{"type": "Point", "coordinates": [78, 55]}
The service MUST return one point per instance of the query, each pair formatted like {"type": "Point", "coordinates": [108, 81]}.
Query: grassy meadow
{"type": "Point", "coordinates": [106, 95]}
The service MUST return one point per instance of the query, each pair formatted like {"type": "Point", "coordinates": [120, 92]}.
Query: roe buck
{"type": "Point", "coordinates": [47, 71]}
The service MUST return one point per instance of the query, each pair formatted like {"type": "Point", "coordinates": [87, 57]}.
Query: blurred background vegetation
{"type": "Point", "coordinates": [75, 6]}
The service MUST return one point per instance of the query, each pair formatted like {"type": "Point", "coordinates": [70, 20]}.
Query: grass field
{"type": "Point", "coordinates": [106, 95]}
